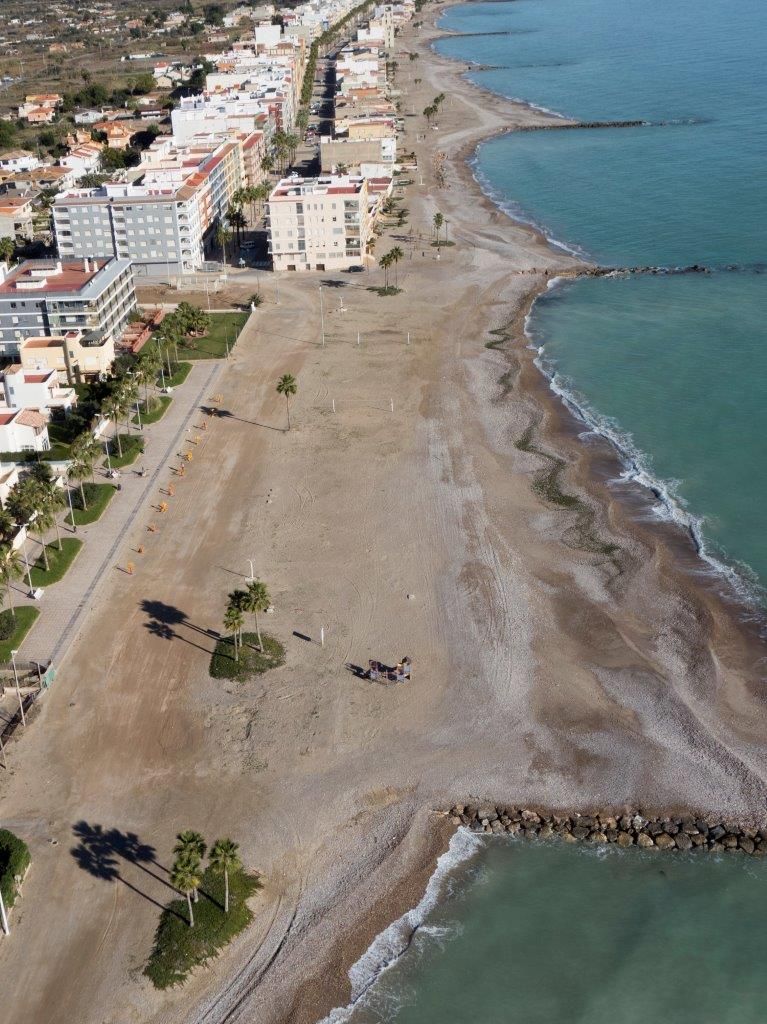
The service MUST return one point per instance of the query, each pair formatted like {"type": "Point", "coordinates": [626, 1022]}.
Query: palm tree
{"type": "Point", "coordinates": [233, 620]}
{"type": "Point", "coordinates": [224, 856]}
{"type": "Point", "coordinates": [438, 221]}
{"type": "Point", "coordinates": [287, 386]}
{"type": "Point", "coordinates": [236, 218]}
{"type": "Point", "coordinates": [82, 457]}
{"type": "Point", "coordinates": [190, 846]}
{"type": "Point", "coordinates": [396, 254]}
{"type": "Point", "coordinates": [112, 408]}
{"type": "Point", "coordinates": [7, 248]}
{"type": "Point", "coordinates": [10, 569]}
{"type": "Point", "coordinates": [258, 600]}
{"type": "Point", "coordinates": [385, 262]}
{"type": "Point", "coordinates": [223, 238]}
{"type": "Point", "coordinates": [267, 163]}
{"type": "Point", "coordinates": [51, 499]}
{"type": "Point", "coordinates": [25, 503]}
{"type": "Point", "coordinates": [185, 876]}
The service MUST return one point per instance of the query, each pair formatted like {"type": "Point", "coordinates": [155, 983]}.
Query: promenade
{"type": "Point", "coordinates": [111, 542]}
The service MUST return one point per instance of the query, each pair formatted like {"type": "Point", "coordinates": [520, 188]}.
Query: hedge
{"type": "Point", "coordinates": [14, 860]}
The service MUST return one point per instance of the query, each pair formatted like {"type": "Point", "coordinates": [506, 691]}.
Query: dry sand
{"type": "Point", "coordinates": [545, 671]}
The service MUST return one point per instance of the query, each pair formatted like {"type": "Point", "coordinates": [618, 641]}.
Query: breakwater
{"type": "Point", "coordinates": [632, 828]}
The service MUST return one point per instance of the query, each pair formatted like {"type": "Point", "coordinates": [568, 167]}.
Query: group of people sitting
{"type": "Point", "coordinates": [401, 671]}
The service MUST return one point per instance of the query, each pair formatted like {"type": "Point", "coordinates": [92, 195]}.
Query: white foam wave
{"type": "Point", "coordinates": [390, 944]}
{"type": "Point", "coordinates": [669, 506]}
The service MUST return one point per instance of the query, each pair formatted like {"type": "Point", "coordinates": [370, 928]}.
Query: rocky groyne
{"type": "Point", "coordinates": [629, 829]}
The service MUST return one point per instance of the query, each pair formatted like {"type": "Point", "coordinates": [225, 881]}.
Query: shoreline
{"type": "Point", "coordinates": [743, 598]}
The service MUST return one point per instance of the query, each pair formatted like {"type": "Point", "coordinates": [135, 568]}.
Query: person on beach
{"type": "Point", "coordinates": [406, 667]}
{"type": "Point", "coordinates": [374, 671]}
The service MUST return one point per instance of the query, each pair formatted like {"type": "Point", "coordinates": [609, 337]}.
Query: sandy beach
{"type": "Point", "coordinates": [567, 657]}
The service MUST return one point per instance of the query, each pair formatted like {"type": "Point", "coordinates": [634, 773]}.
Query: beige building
{"type": "Point", "coordinates": [319, 223]}
{"type": "Point", "coordinates": [68, 355]}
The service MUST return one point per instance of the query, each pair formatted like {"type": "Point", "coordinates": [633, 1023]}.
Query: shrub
{"type": "Point", "coordinates": [7, 624]}
{"type": "Point", "coordinates": [92, 494]}
{"type": "Point", "coordinates": [14, 860]}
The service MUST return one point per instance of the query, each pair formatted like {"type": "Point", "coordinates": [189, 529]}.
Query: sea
{"type": "Point", "coordinates": [673, 369]}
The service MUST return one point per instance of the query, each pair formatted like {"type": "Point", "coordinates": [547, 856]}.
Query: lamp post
{"type": "Point", "coordinates": [106, 449]}
{"type": "Point", "coordinates": [26, 563]}
{"type": "Point", "coordinates": [4, 916]}
{"type": "Point", "coordinates": [252, 574]}
{"type": "Point", "coordinates": [18, 691]}
{"type": "Point", "coordinates": [322, 317]}
{"type": "Point", "coordinates": [71, 510]}
{"type": "Point", "coordinates": [138, 414]}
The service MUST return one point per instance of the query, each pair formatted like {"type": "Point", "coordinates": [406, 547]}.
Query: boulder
{"type": "Point", "coordinates": [579, 832]}
{"type": "Point", "coordinates": [645, 841]}
{"type": "Point", "coordinates": [683, 841]}
{"type": "Point", "coordinates": [612, 835]}
{"type": "Point", "coordinates": [546, 832]}
{"type": "Point", "coordinates": [730, 841]}
{"type": "Point", "coordinates": [487, 813]}
{"type": "Point", "coordinates": [698, 839]}
{"type": "Point", "coordinates": [689, 826]}
{"type": "Point", "coordinates": [702, 826]}
{"type": "Point", "coordinates": [717, 832]}
{"type": "Point", "coordinates": [597, 837]}
{"type": "Point", "coordinates": [670, 828]}
{"type": "Point", "coordinates": [664, 841]}
{"type": "Point", "coordinates": [747, 845]}
{"type": "Point", "coordinates": [625, 839]}
{"type": "Point", "coordinates": [715, 848]}
{"type": "Point", "coordinates": [456, 820]}
{"type": "Point", "coordinates": [568, 837]}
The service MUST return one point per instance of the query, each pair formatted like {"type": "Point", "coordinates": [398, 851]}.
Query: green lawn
{"type": "Point", "coordinates": [25, 616]}
{"type": "Point", "coordinates": [223, 327]}
{"type": "Point", "coordinates": [251, 661]}
{"type": "Point", "coordinates": [97, 497]}
{"type": "Point", "coordinates": [132, 446]}
{"type": "Point", "coordinates": [157, 410]}
{"type": "Point", "coordinates": [59, 562]}
{"type": "Point", "coordinates": [179, 948]}
{"type": "Point", "coordinates": [180, 373]}
{"type": "Point", "coordinates": [56, 453]}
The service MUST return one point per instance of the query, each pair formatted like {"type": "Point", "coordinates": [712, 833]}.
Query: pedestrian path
{"type": "Point", "coordinates": [64, 606]}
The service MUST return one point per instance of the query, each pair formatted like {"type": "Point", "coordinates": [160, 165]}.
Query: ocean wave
{"type": "Point", "coordinates": [669, 505]}
{"type": "Point", "coordinates": [390, 944]}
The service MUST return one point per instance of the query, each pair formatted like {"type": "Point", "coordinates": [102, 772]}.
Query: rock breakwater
{"type": "Point", "coordinates": [628, 829]}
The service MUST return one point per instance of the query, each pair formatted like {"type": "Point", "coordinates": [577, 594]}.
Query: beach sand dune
{"type": "Point", "coordinates": [565, 656]}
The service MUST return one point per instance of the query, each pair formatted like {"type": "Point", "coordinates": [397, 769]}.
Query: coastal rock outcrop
{"type": "Point", "coordinates": [630, 828]}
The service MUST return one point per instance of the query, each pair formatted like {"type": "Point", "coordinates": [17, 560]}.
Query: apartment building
{"type": "Point", "coordinates": [51, 297]}
{"type": "Point", "coordinates": [319, 223]}
{"type": "Point", "coordinates": [16, 215]}
{"type": "Point", "coordinates": [68, 355]}
{"type": "Point", "coordinates": [162, 219]}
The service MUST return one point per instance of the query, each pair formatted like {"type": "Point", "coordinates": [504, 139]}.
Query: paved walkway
{"type": "Point", "coordinates": [105, 548]}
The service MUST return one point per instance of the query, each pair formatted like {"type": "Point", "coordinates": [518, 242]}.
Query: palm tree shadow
{"type": "Point", "coordinates": [162, 618]}
{"type": "Point", "coordinates": [98, 851]}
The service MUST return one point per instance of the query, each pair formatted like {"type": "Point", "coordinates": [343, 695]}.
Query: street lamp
{"type": "Point", "coordinates": [322, 317]}
{"type": "Point", "coordinates": [252, 574]}
{"type": "Point", "coordinates": [26, 563]}
{"type": "Point", "coordinates": [71, 510]}
{"type": "Point", "coordinates": [18, 691]}
{"type": "Point", "coordinates": [106, 449]}
{"type": "Point", "coordinates": [138, 414]}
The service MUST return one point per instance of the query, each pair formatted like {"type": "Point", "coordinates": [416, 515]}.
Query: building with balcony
{"type": "Point", "coordinates": [67, 354]}
{"type": "Point", "coordinates": [23, 430]}
{"type": "Point", "coordinates": [48, 298]}
{"type": "Point", "coordinates": [319, 223]}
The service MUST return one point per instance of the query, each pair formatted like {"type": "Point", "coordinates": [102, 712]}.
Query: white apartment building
{"type": "Point", "coordinates": [207, 115]}
{"type": "Point", "coordinates": [319, 223]}
{"type": "Point", "coordinates": [50, 297]}
{"type": "Point", "coordinates": [162, 219]}
{"type": "Point", "coordinates": [23, 430]}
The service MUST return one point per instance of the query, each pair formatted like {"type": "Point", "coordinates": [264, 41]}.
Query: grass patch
{"type": "Point", "coordinates": [252, 662]}
{"type": "Point", "coordinates": [178, 948]}
{"type": "Point", "coordinates": [25, 616]}
{"type": "Point", "coordinates": [156, 410]}
{"type": "Point", "coordinates": [14, 860]}
{"type": "Point", "coordinates": [97, 497]}
{"type": "Point", "coordinates": [56, 453]}
{"type": "Point", "coordinates": [180, 373]}
{"type": "Point", "coordinates": [132, 446]}
{"type": "Point", "coordinates": [442, 245]}
{"type": "Point", "coordinates": [390, 290]}
{"type": "Point", "coordinates": [223, 327]}
{"type": "Point", "coordinates": [59, 562]}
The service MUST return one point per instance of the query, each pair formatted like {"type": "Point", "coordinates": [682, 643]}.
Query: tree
{"type": "Point", "coordinates": [287, 386]}
{"type": "Point", "coordinates": [233, 620]}
{"type": "Point", "coordinates": [83, 452]}
{"type": "Point", "coordinates": [223, 238]}
{"type": "Point", "coordinates": [112, 408]}
{"type": "Point", "coordinates": [258, 600]}
{"type": "Point", "coordinates": [10, 569]}
{"type": "Point", "coordinates": [224, 857]}
{"type": "Point", "coordinates": [51, 498]}
{"type": "Point", "coordinates": [438, 221]}
{"type": "Point", "coordinates": [384, 263]}
{"type": "Point", "coordinates": [267, 163]}
{"type": "Point", "coordinates": [396, 255]}
{"type": "Point", "coordinates": [190, 846]}
{"type": "Point", "coordinates": [185, 876]}
{"type": "Point", "coordinates": [7, 248]}
{"type": "Point", "coordinates": [236, 218]}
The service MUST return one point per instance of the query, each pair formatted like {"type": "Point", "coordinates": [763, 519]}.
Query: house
{"type": "Point", "coordinates": [18, 160]}
{"type": "Point", "coordinates": [118, 135]}
{"type": "Point", "coordinates": [68, 355]}
{"type": "Point", "coordinates": [40, 108]}
{"type": "Point", "coordinates": [39, 390]}
{"type": "Point", "coordinates": [16, 212]}
{"type": "Point", "coordinates": [9, 477]}
{"type": "Point", "coordinates": [23, 430]}
{"type": "Point", "coordinates": [84, 159]}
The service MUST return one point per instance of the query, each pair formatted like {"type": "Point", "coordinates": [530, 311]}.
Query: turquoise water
{"type": "Point", "coordinates": [673, 368]}
{"type": "Point", "coordinates": [548, 934]}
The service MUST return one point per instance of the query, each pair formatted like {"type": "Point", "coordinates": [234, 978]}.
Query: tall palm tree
{"type": "Point", "coordinates": [190, 846]}
{"type": "Point", "coordinates": [185, 876]}
{"type": "Point", "coordinates": [11, 568]}
{"type": "Point", "coordinates": [233, 621]}
{"type": "Point", "coordinates": [384, 263]}
{"type": "Point", "coordinates": [258, 600]}
{"type": "Point", "coordinates": [224, 856]}
{"type": "Point", "coordinates": [51, 498]}
{"type": "Point", "coordinates": [438, 221]}
{"type": "Point", "coordinates": [223, 238]}
{"type": "Point", "coordinates": [287, 385]}
{"type": "Point", "coordinates": [82, 458]}
{"type": "Point", "coordinates": [111, 407]}
{"type": "Point", "coordinates": [396, 254]}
